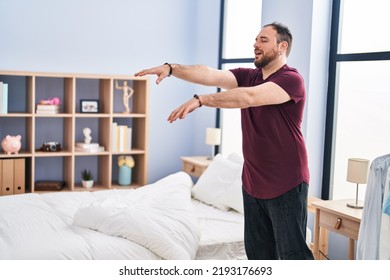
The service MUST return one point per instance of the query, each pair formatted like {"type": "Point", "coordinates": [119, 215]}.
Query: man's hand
{"type": "Point", "coordinates": [161, 71]}
{"type": "Point", "coordinates": [182, 111]}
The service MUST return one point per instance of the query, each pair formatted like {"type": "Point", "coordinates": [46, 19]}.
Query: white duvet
{"type": "Point", "coordinates": [153, 222]}
{"type": "Point", "coordinates": [159, 217]}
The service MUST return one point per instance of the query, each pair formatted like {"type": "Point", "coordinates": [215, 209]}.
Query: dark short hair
{"type": "Point", "coordinates": [284, 34]}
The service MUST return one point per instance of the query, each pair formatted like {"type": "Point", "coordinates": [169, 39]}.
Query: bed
{"type": "Point", "coordinates": [163, 220]}
{"type": "Point", "coordinates": [172, 218]}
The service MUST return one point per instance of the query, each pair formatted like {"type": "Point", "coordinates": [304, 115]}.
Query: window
{"type": "Point", "coordinates": [364, 26]}
{"type": "Point", "coordinates": [359, 92]}
{"type": "Point", "coordinates": [241, 24]}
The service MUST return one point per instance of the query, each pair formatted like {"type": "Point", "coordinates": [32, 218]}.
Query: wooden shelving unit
{"type": "Point", "coordinates": [25, 89]}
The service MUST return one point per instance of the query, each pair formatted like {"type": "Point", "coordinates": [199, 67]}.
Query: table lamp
{"type": "Point", "coordinates": [357, 173]}
{"type": "Point", "coordinates": [213, 138]}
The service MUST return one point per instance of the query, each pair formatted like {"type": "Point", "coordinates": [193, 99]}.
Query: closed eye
{"type": "Point", "coordinates": [262, 39]}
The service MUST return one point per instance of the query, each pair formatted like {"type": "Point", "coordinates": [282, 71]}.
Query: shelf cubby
{"type": "Point", "coordinates": [27, 89]}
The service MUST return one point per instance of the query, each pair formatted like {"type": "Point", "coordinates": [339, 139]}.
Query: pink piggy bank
{"type": "Point", "coordinates": [11, 144]}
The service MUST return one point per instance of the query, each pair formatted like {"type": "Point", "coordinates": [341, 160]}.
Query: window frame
{"type": "Point", "coordinates": [334, 58]}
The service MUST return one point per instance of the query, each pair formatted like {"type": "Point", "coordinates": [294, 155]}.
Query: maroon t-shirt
{"type": "Point", "coordinates": [273, 145]}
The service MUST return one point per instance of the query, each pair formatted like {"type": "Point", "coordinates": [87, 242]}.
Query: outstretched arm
{"type": "Point", "coordinates": [241, 97]}
{"type": "Point", "coordinates": [198, 74]}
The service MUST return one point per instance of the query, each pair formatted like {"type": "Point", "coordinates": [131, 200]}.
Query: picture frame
{"type": "Point", "coordinates": [90, 106]}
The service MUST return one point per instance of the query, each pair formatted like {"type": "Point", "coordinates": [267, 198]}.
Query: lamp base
{"type": "Point", "coordinates": [211, 157]}
{"type": "Point", "coordinates": [355, 205]}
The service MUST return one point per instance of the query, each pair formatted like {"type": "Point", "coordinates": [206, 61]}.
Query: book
{"type": "Point", "coordinates": [90, 150]}
{"type": "Point", "coordinates": [47, 112]}
{"type": "Point", "coordinates": [121, 138]}
{"type": "Point", "coordinates": [122, 131]}
{"type": "Point", "coordinates": [114, 147]}
{"type": "Point", "coordinates": [3, 98]}
{"type": "Point", "coordinates": [128, 139]}
{"type": "Point", "coordinates": [87, 145]}
{"type": "Point", "coordinates": [48, 107]}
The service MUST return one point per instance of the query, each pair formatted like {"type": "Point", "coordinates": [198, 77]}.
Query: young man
{"type": "Point", "coordinates": [275, 173]}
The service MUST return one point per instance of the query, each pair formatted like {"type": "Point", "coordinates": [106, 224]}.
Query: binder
{"type": "Point", "coordinates": [8, 177]}
{"type": "Point", "coordinates": [19, 176]}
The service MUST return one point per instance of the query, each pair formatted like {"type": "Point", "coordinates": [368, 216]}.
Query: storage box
{"type": "Point", "coordinates": [49, 186]}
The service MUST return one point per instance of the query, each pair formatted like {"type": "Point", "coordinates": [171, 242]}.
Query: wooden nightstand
{"type": "Point", "coordinates": [335, 216]}
{"type": "Point", "coordinates": [195, 166]}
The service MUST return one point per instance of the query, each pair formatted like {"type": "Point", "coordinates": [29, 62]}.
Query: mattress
{"type": "Point", "coordinates": [222, 233]}
{"type": "Point", "coordinates": [94, 225]}
{"type": "Point", "coordinates": [44, 226]}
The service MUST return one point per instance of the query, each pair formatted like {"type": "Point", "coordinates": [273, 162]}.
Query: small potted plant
{"type": "Point", "coordinates": [87, 179]}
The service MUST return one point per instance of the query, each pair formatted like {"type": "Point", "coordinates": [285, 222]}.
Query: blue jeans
{"type": "Point", "coordinates": [276, 228]}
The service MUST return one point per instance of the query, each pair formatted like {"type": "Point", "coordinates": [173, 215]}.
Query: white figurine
{"type": "Point", "coordinates": [87, 135]}
{"type": "Point", "coordinates": [127, 93]}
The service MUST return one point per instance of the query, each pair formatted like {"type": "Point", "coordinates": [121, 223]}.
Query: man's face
{"type": "Point", "coordinates": [266, 47]}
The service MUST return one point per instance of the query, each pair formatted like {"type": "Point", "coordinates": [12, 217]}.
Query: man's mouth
{"type": "Point", "coordinates": [258, 53]}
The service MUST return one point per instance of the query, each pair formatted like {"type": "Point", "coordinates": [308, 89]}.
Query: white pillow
{"type": "Point", "coordinates": [216, 180]}
{"type": "Point", "coordinates": [237, 158]}
{"type": "Point", "coordinates": [232, 198]}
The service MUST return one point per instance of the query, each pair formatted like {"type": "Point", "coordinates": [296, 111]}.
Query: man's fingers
{"type": "Point", "coordinates": [159, 79]}
{"type": "Point", "coordinates": [179, 113]}
{"type": "Point", "coordinates": [160, 75]}
{"type": "Point", "coordinates": [140, 73]}
{"type": "Point", "coordinates": [173, 116]}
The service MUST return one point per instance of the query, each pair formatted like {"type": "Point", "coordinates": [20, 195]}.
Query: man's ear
{"type": "Point", "coordinates": [283, 46]}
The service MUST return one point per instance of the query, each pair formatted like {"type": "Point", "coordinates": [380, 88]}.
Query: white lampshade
{"type": "Point", "coordinates": [357, 170]}
{"type": "Point", "coordinates": [213, 136]}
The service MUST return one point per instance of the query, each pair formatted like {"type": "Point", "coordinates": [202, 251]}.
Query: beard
{"type": "Point", "coordinates": [265, 59]}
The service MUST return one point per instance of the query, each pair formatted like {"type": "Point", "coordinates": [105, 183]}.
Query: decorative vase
{"type": "Point", "coordinates": [87, 184]}
{"type": "Point", "coordinates": [124, 176]}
